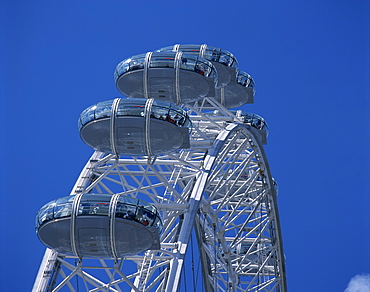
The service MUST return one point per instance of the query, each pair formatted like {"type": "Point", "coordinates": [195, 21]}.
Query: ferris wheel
{"type": "Point", "coordinates": [175, 169]}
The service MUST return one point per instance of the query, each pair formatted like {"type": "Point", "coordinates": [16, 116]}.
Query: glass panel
{"type": "Point", "coordinates": [121, 210]}
{"type": "Point", "coordinates": [162, 60]}
{"type": "Point", "coordinates": [166, 49]}
{"type": "Point", "coordinates": [63, 210]}
{"type": "Point", "coordinates": [193, 49]}
{"type": "Point", "coordinates": [103, 109]}
{"type": "Point", "coordinates": [212, 54]}
{"type": "Point", "coordinates": [225, 60]}
{"type": "Point", "coordinates": [158, 223]}
{"type": "Point", "coordinates": [251, 84]}
{"type": "Point", "coordinates": [159, 113]}
{"type": "Point", "coordinates": [96, 204]}
{"type": "Point", "coordinates": [131, 107]}
{"type": "Point", "coordinates": [187, 122]}
{"type": "Point", "coordinates": [176, 115]}
{"type": "Point", "coordinates": [144, 216]}
{"type": "Point", "coordinates": [131, 212]}
{"type": "Point", "coordinates": [164, 104]}
{"type": "Point", "coordinates": [128, 200]}
{"type": "Point", "coordinates": [131, 110]}
{"type": "Point", "coordinates": [46, 213]}
{"type": "Point", "coordinates": [228, 58]}
{"type": "Point", "coordinates": [139, 214]}
{"type": "Point", "coordinates": [65, 199]}
{"type": "Point", "coordinates": [245, 79]}
{"type": "Point", "coordinates": [87, 115]}
{"type": "Point", "coordinates": [148, 218]}
{"type": "Point", "coordinates": [209, 70]}
{"type": "Point", "coordinates": [171, 117]}
{"type": "Point", "coordinates": [176, 118]}
{"type": "Point", "coordinates": [86, 208]}
{"type": "Point", "coordinates": [63, 207]}
{"type": "Point", "coordinates": [123, 67]}
{"type": "Point", "coordinates": [100, 208]}
{"type": "Point", "coordinates": [255, 121]}
{"type": "Point", "coordinates": [151, 209]}
{"type": "Point", "coordinates": [145, 205]}
{"type": "Point", "coordinates": [200, 68]}
{"type": "Point", "coordinates": [133, 63]}
{"type": "Point", "coordinates": [204, 69]}
{"type": "Point", "coordinates": [187, 62]}
{"type": "Point", "coordinates": [137, 210]}
{"type": "Point", "coordinates": [177, 108]}
{"type": "Point", "coordinates": [137, 63]}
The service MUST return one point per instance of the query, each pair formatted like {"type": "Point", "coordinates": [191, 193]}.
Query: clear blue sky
{"type": "Point", "coordinates": [310, 62]}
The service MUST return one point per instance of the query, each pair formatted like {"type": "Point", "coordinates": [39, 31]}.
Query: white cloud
{"type": "Point", "coordinates": [359, 283]}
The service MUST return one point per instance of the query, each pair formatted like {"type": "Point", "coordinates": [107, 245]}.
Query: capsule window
{"type": "Point", "coordinates": [159, 113]}
{"type": "Point", "coordinates": [245, 79]}
{"type": "Point", "coordinates": [46, 213]}
{"type": "Point", "coordinates": [94, 205]}
{"type": "Point", "coordinates": [136, 64]}
{"type": "Point", "coordinates": [225, 60]}
{"type": "Point", "coordinates": [193, 49]}
{"type": "Point", "coordinates": [176, 118]}
{"type": "Point", "coordinates": [101, 208]}
{"type": "Point", "coordinates": [144, 216]}
{"type": "Point", "coordinates": [158, 223]}
{"type": "Point", "coordinates": [204, 69]}
{"type": "Point", "coordinates": [187, 63]}
{"type": "Point", "coordinates": [85, 209]}
{"type": "Point", "coordinates": [131, 107]}
{"type": "Point", "coordinates": [123, 67]}
{"type": "Point", "coordinates": [162, 104]}
{"type": "Point", "coordinates": [128, 200]}
{"type": "Point", "coordinates": [148, 218]}
{"type": "Point", "coordinates": [212, 55]}
{"type": "Point", "coordinates": [121, 210]}
{"type": "Point", "coordinates": [103, 109]}
{"type": "Point", "coordinates": [131, 110]}
{"type": "Point", "coordinates": [162, 61]}
{"type": "Point", "coordinates": [63, 207]}
{"type": "Point", "coordinates": [131, 212]}
{"type": "Point", "coordinates": [87, 115]}
{"type": "Point", "coordinates": [63, 210]}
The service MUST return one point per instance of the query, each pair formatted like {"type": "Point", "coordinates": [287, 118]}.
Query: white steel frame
{"type": "Point", "coordinates": [221, 186]}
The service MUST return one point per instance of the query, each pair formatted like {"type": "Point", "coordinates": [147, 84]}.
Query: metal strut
{"type": "Point", "coordinates": [224, 189]}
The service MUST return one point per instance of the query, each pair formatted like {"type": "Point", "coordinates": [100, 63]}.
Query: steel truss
{"type": "Point", "coordinates": [222, 186]}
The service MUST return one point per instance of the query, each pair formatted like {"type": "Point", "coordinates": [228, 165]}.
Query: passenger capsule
{"type": "Point", "coordinates": [167, 76]}
{"type": "Point", "coordinates": [257, 123]}
{"type": "Point", "coordinates": [238, 93]}
{"type": "Point", "coordinates": [135, 126]}
{"type": "Point", "coordinates": [99, 225]}
{"type": "Point", "coordinates": [224, 61]}
{"type": "Point", "coordinates": [234, 88]}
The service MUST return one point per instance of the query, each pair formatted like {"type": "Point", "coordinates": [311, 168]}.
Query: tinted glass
{"type": "Point", "coordinates": [63, 207]}
{"type": "Point", "coordinates": [103, 109]}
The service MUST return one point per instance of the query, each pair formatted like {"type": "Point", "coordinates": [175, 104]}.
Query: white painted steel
{"type": "Point", "coordinates": [222, 186]}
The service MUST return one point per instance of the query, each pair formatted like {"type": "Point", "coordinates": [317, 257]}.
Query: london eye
{"type": "Point", "coordinates": [176, 167]}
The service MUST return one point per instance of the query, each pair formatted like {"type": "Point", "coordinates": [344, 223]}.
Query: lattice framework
{"type": "Point", "coordinates": [222, 186]}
